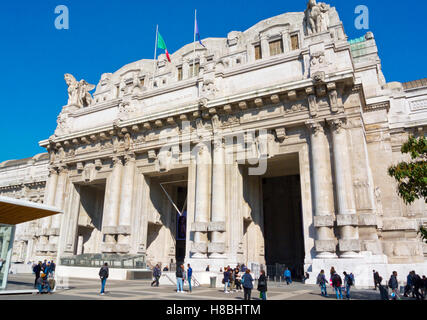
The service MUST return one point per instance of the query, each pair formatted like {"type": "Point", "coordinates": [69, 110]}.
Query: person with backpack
{"type": "Point", "coordinates": [349, 281]}
{"type": "Point", "coordinates": [393, 284]}
{"type": "Point", "coordinates": [103, 275]}
{"type": "Point", "coordinates": [247, 284]}
{"type": "Point", "coordinates": [262, 285]}
{"type": "Point", "coordinates": [321, 281]}
{"type": "Point", "coordinates": [156, 275]}
{"type": "Point", "coordinates": [337, 283]}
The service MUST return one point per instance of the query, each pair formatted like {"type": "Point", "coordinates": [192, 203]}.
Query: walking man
{"type": "Point", "coordinates": [179, 279]}
{"type": "Point", "coordinates": [189, 275]}
{"type": "Point", "coordinates": [226, 280]}
{"type": "Point", "coordinates": [37, 269]}
{"type": "Point", "coordinates": [247, 284]}
{"type": "Point", "coordinates": [376, 279]}
{"type": "Point", "coordinates": [349, 281]}
{"type": "Point", "coordinates": [288, 276]}
{"type": "Point", "coordinates": [103, 275]}
{"type": "Point", "coordinates": [409, 285]}
{"type": "Point", "coordinates": [394, 285]}
{"type": "Point", "coordinates": [156, 275]}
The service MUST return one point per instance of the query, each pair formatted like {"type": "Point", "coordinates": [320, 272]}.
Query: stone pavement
{"type": "Point", "coordinates": [83, 289]}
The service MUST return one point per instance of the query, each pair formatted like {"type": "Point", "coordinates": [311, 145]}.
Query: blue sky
{"type": "Point", "coordinates": [104, 35]}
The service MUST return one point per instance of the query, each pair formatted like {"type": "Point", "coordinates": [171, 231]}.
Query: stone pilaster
{"type": "Point", "coordinates": [112, 203]}
{"type": "Point", "coordinates": [126, 203]}
{"type": "Point", "coordinates": [217, 225]}
{"type": "Point", "coordinates": [50, 196]}
{"type": "Point", "coordinates": [349, 244]}
{"type": "Point", "coordinates": [324, 219]}
{"type": "Point", "coordinates": [201, 219]}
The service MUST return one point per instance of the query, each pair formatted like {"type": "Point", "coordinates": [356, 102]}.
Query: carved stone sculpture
{"type": "Point", "coordinates": [78, 92]}
{"type": "Point", "coordinates": [316, 17]}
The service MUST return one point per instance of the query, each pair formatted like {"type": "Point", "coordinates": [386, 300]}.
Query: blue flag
{"type": "Point", "coordinates": [198, 34]}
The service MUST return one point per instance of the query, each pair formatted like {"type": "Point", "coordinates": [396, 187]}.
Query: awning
{"type": "Point", "coordinates": [14, 211]}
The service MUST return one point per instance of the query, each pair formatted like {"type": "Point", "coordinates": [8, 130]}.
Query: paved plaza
{"type": "Point", "coordinates": [83, 289]}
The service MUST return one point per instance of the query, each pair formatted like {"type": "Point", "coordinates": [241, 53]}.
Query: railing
{"type": "Point", "coordinates": [113, 261]}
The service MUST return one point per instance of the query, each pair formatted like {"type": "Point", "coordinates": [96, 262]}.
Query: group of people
{"type": "Point", "coordinates": [233, 281]}
{"type": "Point", "coordinates": [336, 282]}
{"type": "Point", "coordinates": [415, 285]}
{"type": "Point", "coordinates": [182, 276]}
{"type": "Point", "coordinates": [43, 272]}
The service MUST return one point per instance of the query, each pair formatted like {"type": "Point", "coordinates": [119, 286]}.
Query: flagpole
{"type": "Point", "coordinates": [194, 43]}
{"type": "Point", "coordinates": [155, 53]}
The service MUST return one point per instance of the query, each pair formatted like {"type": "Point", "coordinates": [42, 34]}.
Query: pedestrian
{"type": "Point", "coordinates": [262, 285]}
{"type": "Point", "coordinates": [179, 279]}
{"type": "Point", "coordinates": [156, 275]}
{"type": "Point", "coordinates": [349, 282]}
{"type": "Point", "coordinates": [247, 284]}
{"type": "Point", "coordinates": [37, 270]}
{"type": "Point", "coordinates": [232, 280]}
{"type": "Point", "coordinates": [418, 284]}
{"type": "Point", "coordinates": [165, 269]}
{"type": "Point", "coordinates": [376, 279]}
{"type": "Point", "coordinates": [332, 272]}
{"type": "Point", "coordinates": [393, 285]}
{"type": "Point", "coordinates": [243, 268]}
{"type": "Point", "coordinates": [103, 275]}
{"type": "Point", "coordinates": [237, 280]}
{"type": "Point", "coordinates": [189, 276]}
{"type": "Point", "coordinates": [43, 284]}
{"type": "Point", "coordinates": [321, 281]}
{"type": "Point", "coordinates": [226, 280]}
{"type": "Point", "coordinates": [383, 290]}
{"type": "Point", "coordinates": [424, 287]}
{"type": "Point", "coordinates": [288, 276]}
{"type": "Point", "coordinates": [44, 266]}
{"type": "Point", "coordinates": [52, 268]}
{"type": "Point", "coordinates": [207, 269]}
{"type": "Point", "coordinates": [337, 283]}
{"type": "Point", "coordinates": [409, 285]}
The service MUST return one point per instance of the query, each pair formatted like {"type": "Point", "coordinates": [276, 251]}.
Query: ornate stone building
{"type": "Point", "coordinates": [272, 144]}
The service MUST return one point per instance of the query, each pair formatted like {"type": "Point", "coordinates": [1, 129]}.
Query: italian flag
{"type": "Point", "coordinates": [162, 45]}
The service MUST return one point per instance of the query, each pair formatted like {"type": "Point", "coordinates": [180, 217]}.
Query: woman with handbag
{"type": "Point", "coordinates": [262, 286]}
{"type": "Point", "coordinates": [247, 284]}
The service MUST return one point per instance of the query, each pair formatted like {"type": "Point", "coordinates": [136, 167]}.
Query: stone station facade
{"type": "Point", "coordinates": [275, 142]}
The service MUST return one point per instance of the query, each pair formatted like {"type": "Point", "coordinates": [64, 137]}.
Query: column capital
{"type": "Point", "coordinates": [53, 170]}
{"type": "Point", "coordinates": [117, 161]}
{"type": "Point", "coordinates": [316, 127]}
{"type": "Point", "coordinates": [130, 157]}
{"type": "Point", "coordinates": [337, 124]}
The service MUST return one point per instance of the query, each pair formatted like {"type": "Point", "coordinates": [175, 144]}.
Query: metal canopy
{"type": "Point", "coordinates": [14, 211]}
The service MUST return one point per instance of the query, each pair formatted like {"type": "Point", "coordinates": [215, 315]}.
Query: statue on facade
{"type": "Point", "coordinates": [316, 17]}
{"type": "Point", "coordinates": [78, 92]}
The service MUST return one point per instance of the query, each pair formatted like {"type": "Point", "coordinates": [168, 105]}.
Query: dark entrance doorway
{"type": "Point", "coordinates": [181, 225]}
{"type": "Point", "coordinates": [283, 227]}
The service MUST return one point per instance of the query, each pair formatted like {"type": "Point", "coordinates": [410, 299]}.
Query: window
{"type": "Point", "coordinates": [276, 47]}
{"type": "Point", "coordinates": [194, 70]}
{"type": "Point", "coordinates": [142, 82]}
{"type": "Point", "coordinates": [179, 73]}
{"type": "Point", "coordinates": [258, 52]}
{"type": "Point", "coordinates": [294, 42]}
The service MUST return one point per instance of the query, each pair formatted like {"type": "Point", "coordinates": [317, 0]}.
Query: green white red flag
{"type": "Point", "coordinates": [161, 44]}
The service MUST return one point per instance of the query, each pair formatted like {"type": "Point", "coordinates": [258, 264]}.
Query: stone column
{"type": "Point", "coordinates": [286, 42]}
{"type": "Point", "coordinates": [349, 244]}
{"type": "Point", "coordinates": [325, 242]}
{"type": "Point", "coordinates": [217, 224]}
{"type": "Point", "coordinates": [265, 47]}
{"type": "Point", "coordinates": [112, 202]}
{"type": "Point", "coordinates": [50, 201]}
{"type": "Point", "coordinates": [59, 203]}
{"type": "Point", "coordinates": [201, 219]}
{"type": "Point", "coordinates": [126, 202]}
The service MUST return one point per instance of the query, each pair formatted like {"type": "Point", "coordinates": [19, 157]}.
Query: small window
{"type": "Point", "coordinates": [258, 52]}
{"type": "Point", "coordinates": [142, 82]}
{"type": "Point", "coordinates": [194, 70]}
{"type": "Point", "coordinates": [179, 73]}
{"type": "Point", "coordinates": [294, 42]}
{"type": "Point", "coordinates": [164, 81]}
{"type": "Point", "coordinates": [276, 47]}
